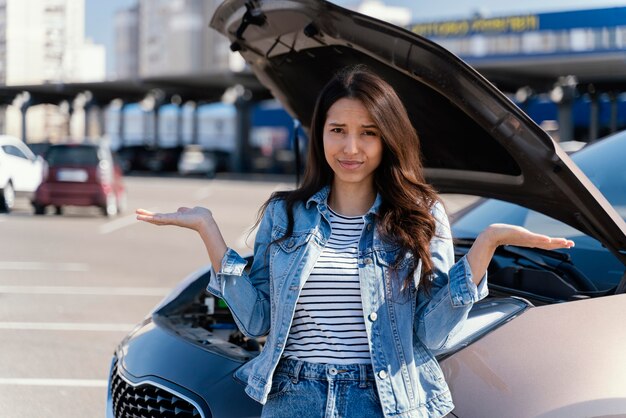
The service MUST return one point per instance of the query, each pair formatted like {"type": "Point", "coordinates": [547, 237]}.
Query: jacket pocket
{"type": "Point", "coordinates": [285, 257]}
{"type": "Point", "coordinates": [397, 287]}
{"type": "Point", "coordinates": [291, 244]}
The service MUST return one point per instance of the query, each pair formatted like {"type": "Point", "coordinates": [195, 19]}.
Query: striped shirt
{"type": "Point", "coordinates": [328, 325]}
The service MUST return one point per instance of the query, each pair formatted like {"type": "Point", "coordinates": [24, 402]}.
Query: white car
{"type": "Point", "coordinates": [20, 171]}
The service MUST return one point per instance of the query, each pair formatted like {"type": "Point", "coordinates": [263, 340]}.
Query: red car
{"type": "Point", "coordinates": [80, 175]}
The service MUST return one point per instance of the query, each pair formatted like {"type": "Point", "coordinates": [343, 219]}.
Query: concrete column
{"type": "Point", "coordinates": [594, 116]}
{"type": "Point", "coordinates": [566, 122]}
{"type": "Point", "coordinates": [241, 156]}
{"type": "Point", "coordinates": [563, 94]}
{"type": "Point", "coordinates": [24, 110]}
{"type": "Point", "coordinates": [3, 119]}
{"type": "Point", "coordinates": [120, 125]}
{"type": "Point", "coordinates": [68, 120]}
{"type": "Point", "coordinates": [100, 118]}
{"type": "Point", "coordinates": [179, 125]}
{"type": "Point", "coordinates": [156, 141]}
{"type": "Point", "coordinates": [614, 110]}
{"type": "Point", "coordinates": [195, 138]}
{"type": "Point", "coordinates": [87, 110]}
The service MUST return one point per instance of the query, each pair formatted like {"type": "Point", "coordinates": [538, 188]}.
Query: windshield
{"type": "Point", "coordinates": [603, 163]}
{"type": "Point", "coordinates": [72, 155]}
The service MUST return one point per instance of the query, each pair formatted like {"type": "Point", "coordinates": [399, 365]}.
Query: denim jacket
{"type": "Point", "coordinates": [402, 324]}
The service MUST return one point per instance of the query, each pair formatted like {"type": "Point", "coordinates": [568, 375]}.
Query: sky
{"type": "Point", "coordinates": [99, 13]}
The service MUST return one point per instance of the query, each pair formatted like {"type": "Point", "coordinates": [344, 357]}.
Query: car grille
{"type": "Point", "coordinates": [147, 401]}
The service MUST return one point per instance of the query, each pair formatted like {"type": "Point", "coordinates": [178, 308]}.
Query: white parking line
{"type": "Point", "coordinates": [111, 226]}
{"type": "Point", "coordinates": [36, 265]}
{"type": "Point", "coordinates": [93, 383]}
{"type": "Point", "coordinates": [85, 290]}
{"type": "Point", "coordinates": [203, 192]}
{"type": "Point", "coordinates": [65, 326]}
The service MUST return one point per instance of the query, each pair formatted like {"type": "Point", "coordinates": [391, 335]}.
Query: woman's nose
{"type": "Point", "coordinates": [351, 144]}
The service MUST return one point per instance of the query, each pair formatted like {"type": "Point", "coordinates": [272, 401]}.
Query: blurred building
{"type": "Point", "coordinates": [43, 41]}
{"type": "Point", "coordinates": [126, 31]}
{"type": "Point", "coordinates": [399, 16]}
{"type": "Point", "coordinates": [173, 39]}
{"type": "Point", "coordinates": [567, 67]}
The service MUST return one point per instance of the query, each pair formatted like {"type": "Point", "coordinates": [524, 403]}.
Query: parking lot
{"type": "Point", "coordinates": [72, 286]}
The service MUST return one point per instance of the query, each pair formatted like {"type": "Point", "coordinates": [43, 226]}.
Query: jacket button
{"type": "Point", "coordinates": [369, 227]}
{"type": "Point", "coordinates": [373, 316]}
{"type": "Point", "coordinates": [368, 261]}
{"type": "Point", "coordinates": [290, 243]}
{"type": "Point", "coordinates": [382, 374]}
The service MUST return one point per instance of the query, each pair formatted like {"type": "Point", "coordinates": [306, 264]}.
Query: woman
{"type": "Point", "coordinates": [353, 279]}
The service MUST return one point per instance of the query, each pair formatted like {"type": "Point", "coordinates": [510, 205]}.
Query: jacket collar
{"type": "Point", "coordinates": [321, 199]}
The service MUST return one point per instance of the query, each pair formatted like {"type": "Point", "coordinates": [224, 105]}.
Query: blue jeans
{"type": "Point", "coordinates": [312, 390]}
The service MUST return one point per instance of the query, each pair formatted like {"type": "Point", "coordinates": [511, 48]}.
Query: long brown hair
{"type": "Point", "coordinates": [404, 217]}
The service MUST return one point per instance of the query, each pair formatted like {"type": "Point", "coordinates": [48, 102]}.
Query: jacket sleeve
{"type": "Point", "coordinates": [441, 312]}
{"type": "Point", "coordinates": [247, 294]}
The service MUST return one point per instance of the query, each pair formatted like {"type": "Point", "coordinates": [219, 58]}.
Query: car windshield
{"type": "Point", "coordinates": [72, 155]}
{"type": "Point", "coordinates": [603, 163]}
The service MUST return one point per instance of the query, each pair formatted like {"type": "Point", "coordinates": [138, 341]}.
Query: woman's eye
{"type": "Point", "coordinates": [370, 133]}
{"type": "Point", "coordinates": [336, 130]}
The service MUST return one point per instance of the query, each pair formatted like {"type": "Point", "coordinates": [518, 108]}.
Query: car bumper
{"type": "Point", "coordinates": [74, 194]}
{"type": "Point", "coordinates": [156, 368]}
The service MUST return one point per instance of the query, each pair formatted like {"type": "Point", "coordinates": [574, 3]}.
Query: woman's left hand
{"type": "Point", "coordinates": [495, 235]}
{"type": "Point", "coordinates": [503, 234]}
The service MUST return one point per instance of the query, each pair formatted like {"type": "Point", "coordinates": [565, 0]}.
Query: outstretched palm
{"type": "Point", "coordinates": [503, 234]}
{"type": "Point", "coordinates": [192, 218]}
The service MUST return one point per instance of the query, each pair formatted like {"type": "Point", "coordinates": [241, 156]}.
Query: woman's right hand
{"type": "Point", "coordinates": [197, 218]}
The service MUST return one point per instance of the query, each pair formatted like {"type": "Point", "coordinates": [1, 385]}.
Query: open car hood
{"type": "Point", "coordinates": [474, 139]}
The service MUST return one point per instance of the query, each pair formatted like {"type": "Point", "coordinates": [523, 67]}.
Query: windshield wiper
{"type": "Point", "coordinates": [527, 253]}
{"type": "Point", "coordinates": [554, 261]}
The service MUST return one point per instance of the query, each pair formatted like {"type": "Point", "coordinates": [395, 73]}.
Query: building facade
{"type": "Point", "coordinates": [574, 63]}
{"type": "Point", "coordinates": [43, 41]}
{"type": "Point", "coordinates": [126, 26]}
{"type": "Point", "coordinates": [175, 39]}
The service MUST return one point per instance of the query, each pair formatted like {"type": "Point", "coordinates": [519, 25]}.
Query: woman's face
{"type": "Point", "coordinates": [353, 145]}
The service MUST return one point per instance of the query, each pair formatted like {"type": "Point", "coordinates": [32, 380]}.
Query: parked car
{"type": "Point", "coordinates": [39, 148]}
{"type": "Point", "coordinates": [132, 157]}
{"type": "Point", "coordinates": [20, 171]}
{"type": "Point", "coordinates": [80, 174]}
{"type": "Point", "coordinates": [548, 341]}
{"type": "Point", "coordinates": [196, 160]}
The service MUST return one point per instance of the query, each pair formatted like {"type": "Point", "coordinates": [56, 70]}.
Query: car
{"type": "Point", "coordinates": [548, 341]}
{"type": "Point", "coordinates": [132, 157]}
{"type": "Point", "coordinates": [20, 171]}
{"type": "Point", "coordinates": [196, 160]}
{"type": "Point", "coordinates": [39, 148]}
{"type": "Point", "coordinates": [80, 174]}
